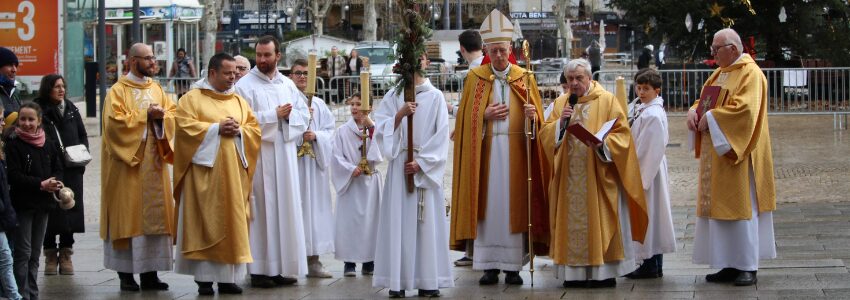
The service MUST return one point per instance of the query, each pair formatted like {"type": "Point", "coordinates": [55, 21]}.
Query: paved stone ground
{"type": "Point", "coordinates": [812, 228]}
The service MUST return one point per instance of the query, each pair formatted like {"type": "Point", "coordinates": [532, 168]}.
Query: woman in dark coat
{"type": "Point", "coordinates": [63, 116]}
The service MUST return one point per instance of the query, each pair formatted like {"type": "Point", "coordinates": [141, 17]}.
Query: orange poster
{"type": "Point", "coordinates": [31, 29]}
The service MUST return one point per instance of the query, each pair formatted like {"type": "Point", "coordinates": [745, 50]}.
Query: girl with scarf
{"type": "Point", "coordinates": [34, 166]}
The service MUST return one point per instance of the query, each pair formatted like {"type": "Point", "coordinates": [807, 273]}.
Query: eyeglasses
{"type": "Point", "coordinates": [300, 73]}
{"type": "Point", "coordinates": [714, 49]}
{"type": "Point", "coordinates": [148, 58]}
{"type": "Point", "coordinates": [241, 68]}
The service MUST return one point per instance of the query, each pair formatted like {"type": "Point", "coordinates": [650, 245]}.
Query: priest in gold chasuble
{"type": "Point", "coordinates": [597, 205]}
{"type": "Point", "coordinates": [489, 185]}
{"type": "Point", "coordinates": [137, 210]}
{"type": "Point", "coordinates": [216, 145]}
{"type": "Point", "coordinates": [736, 196]}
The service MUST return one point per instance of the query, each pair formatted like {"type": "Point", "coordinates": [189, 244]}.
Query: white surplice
{"type": "Point", "coordinates": [413, 254]}
{"type": "Point", "coordinates": [277, 227]}
{"type": "Point", "coordinates": [357, 198]}
{"type": "Point", "coordinates": [316, 201]}
{"type": "Point", "coordinates": [495, 246]}
{"type": "Point", "coordinates": [649, 131]}
{"type": "Point", "coordinates": [734, 244]}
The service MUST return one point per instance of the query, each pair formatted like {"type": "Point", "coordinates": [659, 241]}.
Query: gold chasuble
{"type": "Point", "coordinates": [724, 181]}
{"type": "Point", "coordinates": [584, 190]}
{"type": "Point", "coordinates": [216, 210]}
{"type": "Point", "coordinates": [473, 137]}
{"type": "Point", "coordinates": [135, 184]}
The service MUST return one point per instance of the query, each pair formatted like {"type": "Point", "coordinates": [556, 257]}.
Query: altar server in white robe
{"type": "Point", "coordinates": [358, 191]}
{"type": "Point", "coordinates": [316, 201]}
{"type": "Point", "coordinates": [277, 227]}
{"type": "Point", "coordinates": [649, 130]}
{"type": "Point", "coordinates": [413, 250]}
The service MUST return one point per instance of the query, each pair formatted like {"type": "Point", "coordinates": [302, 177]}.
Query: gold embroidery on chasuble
{"type": "Point", "coordinates": [704, 186]}
{"type": "Point", "coordinates": [153, 205]}
{"type": "Point", "coordinates": [577, 253]}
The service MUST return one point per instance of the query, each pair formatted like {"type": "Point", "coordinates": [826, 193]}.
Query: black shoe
{"type": "Point", "coordinates": [725, 275]}
{"type": "Point", "coordinates": [149, 281]}
{"type": "Point", "coordinates": [205, 288]}
{"type": "Point", "coordinates": [643, 273]}
{"type": "Point", "coordinates": [262, 281]}
{"type": "Point", "coordinates": [429, 293]}
{"type": "Point", "coordinates": [463, 262]}
{"type": "Point", "coordinates": [349, 270]}
{"type": "Point", "coordinates": [397, 294]}
{"type": "Point", "coordinates": [746, 278]}
{"type": "Point", "coordinates": [513, 278]}
{"type": "Point", "coordinates": [229, 288]}
{"type": "Point", "coordinates": [606, 283]}
{"type": "Point", "coordinates": [368, 268]}
{"type": "Point", "coordinates": [281, 281]}
{"type": "Point", "coordinates": [490, 277]}
{"type": "Point", "coordinates": [128, 283]}
{"type": "Point", "coordinates": [575, 284]}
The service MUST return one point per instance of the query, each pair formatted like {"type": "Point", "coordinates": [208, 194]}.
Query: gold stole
{"type": "Point", "coordinates": [705, 160]}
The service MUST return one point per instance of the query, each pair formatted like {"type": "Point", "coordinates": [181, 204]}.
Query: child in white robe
{"type": "Point", "coordinates": [358, 191]}
{"type": "Point", "coordinates": [649, 130]}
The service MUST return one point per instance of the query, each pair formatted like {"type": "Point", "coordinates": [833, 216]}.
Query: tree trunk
{"type": "Point", "coordinates": [561, 9]}
{"type": "Point", "coordinates": [293, 19]}
{"type": "Point", "coordinates": [370, 19]}
{"type": "Point", "coordinates": [319, 12]}
{"type": "Point", "coordinates": [210, 28]}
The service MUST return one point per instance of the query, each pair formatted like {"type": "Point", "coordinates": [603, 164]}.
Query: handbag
{"type": "Point", "coordinates": [76, 155]}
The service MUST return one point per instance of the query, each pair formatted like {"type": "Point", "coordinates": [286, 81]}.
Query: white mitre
{"type": "Point", "coordinates": [496, 28]}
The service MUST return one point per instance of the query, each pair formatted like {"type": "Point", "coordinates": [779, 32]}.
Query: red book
{"type": "Point", "coordinates": [708, 99]}
{"type": "Point", "coordinates": [581, 133]}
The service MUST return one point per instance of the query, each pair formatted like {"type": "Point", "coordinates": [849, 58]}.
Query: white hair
{"type": "Point", "coordinates": [574, 64]}
{"type": "Point", "coordinates": [730, 36]}
{"type": "Point", "coordinates": [242, 60]}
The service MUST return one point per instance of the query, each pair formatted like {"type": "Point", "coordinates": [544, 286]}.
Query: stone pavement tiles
{"type": "Point", "coordinates": [812, 236]}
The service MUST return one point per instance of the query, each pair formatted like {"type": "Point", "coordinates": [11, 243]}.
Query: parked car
{"type": "Point", "coordinates": [381, 56]}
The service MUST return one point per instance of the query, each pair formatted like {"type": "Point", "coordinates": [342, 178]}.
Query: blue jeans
{"type": "Point", "coordinates": [7, 277]}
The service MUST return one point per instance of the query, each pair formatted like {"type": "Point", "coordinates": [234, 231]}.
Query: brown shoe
{"type": "Point", "coordinates": [66, 267]}
{"type": "Point", "coordinates": [51, 261]}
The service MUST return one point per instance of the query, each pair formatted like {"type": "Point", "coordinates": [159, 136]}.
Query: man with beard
{"type": "Point", "coordinates": [277, 228]}
{"type": "Point", "coordinates": [137, 210]}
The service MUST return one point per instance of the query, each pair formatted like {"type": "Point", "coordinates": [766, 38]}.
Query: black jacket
{"type": "Point", "coordinates": [28, 166]}
{"type": "Point", "coordinates": [8, 218]}
{"type": "Point", "coordinates": [10, 100]}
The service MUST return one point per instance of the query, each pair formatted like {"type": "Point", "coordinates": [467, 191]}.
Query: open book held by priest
{"type": "Point", "coordinates": [589, 139]}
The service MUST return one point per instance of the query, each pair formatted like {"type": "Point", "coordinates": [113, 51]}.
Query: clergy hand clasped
{"type": "Point", "coordinates": [496, 111]}
{"type": "Point", "coordinates": [228, 127]}
{"type": "Point", "coordinates": [156, 112]}
{"type": "Point", "coordinates": [284, 110]}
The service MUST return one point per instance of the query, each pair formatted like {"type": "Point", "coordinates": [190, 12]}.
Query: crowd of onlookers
{"type": "Point", "coordinates": [33, 170]}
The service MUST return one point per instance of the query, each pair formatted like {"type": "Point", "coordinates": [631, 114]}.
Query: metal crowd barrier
{"type": "Point", "coordinates": [812, 91]}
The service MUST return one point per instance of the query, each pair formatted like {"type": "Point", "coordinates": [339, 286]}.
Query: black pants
{"type": "Point", "coordinates": [66, 240]}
